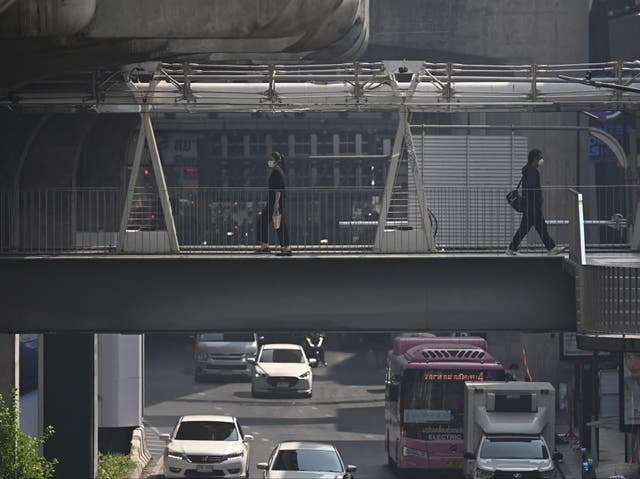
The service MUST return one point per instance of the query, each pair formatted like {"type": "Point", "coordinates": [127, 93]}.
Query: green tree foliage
{"type": "Point", "coordinates": [19, 452]}
{"type": "Point", "coordinates": [114, 466]}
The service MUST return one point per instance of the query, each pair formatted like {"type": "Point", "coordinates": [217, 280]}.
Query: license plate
{"type": "Point", "coordinates": [204, 468]}
{"type": "Point", "coordinates": [283, 384]}
{"type": "Point", "coordinates": [452, 463]}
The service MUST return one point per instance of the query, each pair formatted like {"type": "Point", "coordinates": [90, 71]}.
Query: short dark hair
{"type": "Point", "coordinates": [534, 155]}
{"type": "Point", "coordinates": [278, 158]}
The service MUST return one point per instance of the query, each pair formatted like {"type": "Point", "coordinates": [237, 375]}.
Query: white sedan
{"type": "Point", "coordinates": [305, 460]}
{"type": "Point", "coordinates": [282, 369]}
{"type": "Point", "coordinates": [207, 445]}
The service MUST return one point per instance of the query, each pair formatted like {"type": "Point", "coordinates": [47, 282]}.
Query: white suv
{"type": "Point", "coordinates": [282, 369]}
{"type": "Point", "coordinates": [201, 445]}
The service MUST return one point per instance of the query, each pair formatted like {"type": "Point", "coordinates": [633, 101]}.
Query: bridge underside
{"type": "Point", "coordinates": [329, 293]}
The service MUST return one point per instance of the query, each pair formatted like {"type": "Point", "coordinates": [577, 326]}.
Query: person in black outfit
{"type": "Point", "coordinates": [274, 206]}
{"type": "Point", "coordinates": [314, 347]}
{"type": "Point", "coordinates": [532, 215]}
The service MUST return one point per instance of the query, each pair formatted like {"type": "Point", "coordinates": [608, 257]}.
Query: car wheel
{"type": "Point", "coordinates": [309, 394]}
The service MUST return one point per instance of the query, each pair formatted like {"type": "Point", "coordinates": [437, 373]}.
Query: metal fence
{"type": "Point", "coordinates": [610, 299]}
{"type": "Point", "coordinates": [322, 219]}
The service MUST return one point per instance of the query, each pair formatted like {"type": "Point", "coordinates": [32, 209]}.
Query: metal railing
{"type": "Point", "coordinates": [318, 219]}
{"type": "Point", "coordinates": [610, 299]}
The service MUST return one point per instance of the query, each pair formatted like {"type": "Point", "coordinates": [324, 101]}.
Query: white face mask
{"type": "Point", "coordinates": [541, 162]}
{"type": "Point", "coordinates": [271, 163]}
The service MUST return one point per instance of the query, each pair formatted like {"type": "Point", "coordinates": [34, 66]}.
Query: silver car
{"type": "Point", "coordinates": [224, 354]}
{"type": "Point", "coordinates": [306, 460]}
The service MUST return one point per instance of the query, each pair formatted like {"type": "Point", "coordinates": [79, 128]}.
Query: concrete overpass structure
{"type": "Point", "coordinates": [95, 34]}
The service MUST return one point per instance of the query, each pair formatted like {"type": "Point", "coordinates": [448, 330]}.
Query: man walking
{"type": "Point", "coordinates": [532, 215]}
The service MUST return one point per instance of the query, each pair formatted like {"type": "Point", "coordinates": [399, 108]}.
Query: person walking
{"type": "Point", "coordinates": [532, 214]}
{"type": "Point", "coordinates": [273, 211]}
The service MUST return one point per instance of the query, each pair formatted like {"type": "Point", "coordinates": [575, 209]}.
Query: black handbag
{"type": "Point", "coordinates": [516, 200]}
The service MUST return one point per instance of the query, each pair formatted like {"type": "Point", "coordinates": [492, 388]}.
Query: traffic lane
{"type": "Point", "coordinates": [351, 416]}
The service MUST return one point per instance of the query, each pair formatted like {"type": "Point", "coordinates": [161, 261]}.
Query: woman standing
{"type": "Point", "coordinates": [274, 209]}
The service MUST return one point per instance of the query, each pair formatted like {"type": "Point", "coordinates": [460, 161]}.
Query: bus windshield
{"type": "Point", "coordinates": [432, 402]}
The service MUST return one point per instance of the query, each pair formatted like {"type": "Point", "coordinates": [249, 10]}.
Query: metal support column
{"type": "Point", "coordinates": [161, 183]}
{"type": "Point", "coordinates": [417, 179]}
{"type": "Point", "coordinates": [147, 135]}
{"type": "Point", "coordinates": [396, 153]}
{"type": "Point", "coordinates": [426, 243]}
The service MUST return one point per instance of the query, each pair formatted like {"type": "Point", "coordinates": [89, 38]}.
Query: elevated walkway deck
{"type": "Point", "coordinates": [362, 292]}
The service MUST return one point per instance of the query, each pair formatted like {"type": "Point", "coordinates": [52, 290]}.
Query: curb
{"type": "Point", "coordinates": [139, 453]}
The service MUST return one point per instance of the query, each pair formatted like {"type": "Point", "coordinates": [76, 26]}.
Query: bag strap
{"type": "Point", "coordinates": [520, 182]}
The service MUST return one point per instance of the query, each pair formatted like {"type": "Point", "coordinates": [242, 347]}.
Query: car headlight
{"type": "Point", "coordinates": [409, 451]}
{"type": "Point", "coordinates": [305, 374]}
{"type": "Point", "coordinates": [261, 374]}
{"type": "Point", "coordinates": [201, 356]}
{"type": "Point", "coordinates": [235, 454]}
{"type": "Point", "coordinates": [176, 455]}
{"type": "Point", "coordinates": [482, 474]}
{"type": "Point", "coordinates": [550, 474]}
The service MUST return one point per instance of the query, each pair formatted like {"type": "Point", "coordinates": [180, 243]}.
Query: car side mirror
{"type": "Point", "coordinates": [557, 456]}
{"type": "Point", "coordinates": [248, 437]}
{"type": "Point", "coordinates": [352, 468]}
{"type": "Point", "coordinates": [251, 359]}
{"type": "Point", "coordinates": [263, 466]}
{"type": "Point", "coordinates": [165, 437]}
{"type": "Point", "coordinates": [313, 362]}
{"type": "Point", "coordinates": [469, 456]}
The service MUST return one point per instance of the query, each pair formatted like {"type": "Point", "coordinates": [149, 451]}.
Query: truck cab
{"type": "Point", "coordinates": [510, 431]}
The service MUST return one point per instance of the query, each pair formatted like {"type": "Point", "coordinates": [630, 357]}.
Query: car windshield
{"type": "Point", "coordinates": [207, 431]}
{"type": "Point", "coordinates": [307, 460]}
{"type": "Point", "coordinates": [513, 448]}
{"type": "Point", "coordinates": [230, 337]}
{"type": "Point", "coordinates": [281, 356]}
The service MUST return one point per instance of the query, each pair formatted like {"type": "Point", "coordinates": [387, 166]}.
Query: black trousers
{"type": "Point", "coordinates": [265, 218]}
{"type": "Point", "coordinates": [535, 219]}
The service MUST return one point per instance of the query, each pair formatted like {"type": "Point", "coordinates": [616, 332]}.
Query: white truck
{"type": "Point", "coordinates": [509, 431]}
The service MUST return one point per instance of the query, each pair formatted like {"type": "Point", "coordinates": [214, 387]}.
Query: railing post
{"type": "Point", "coordinates": [577, 248]}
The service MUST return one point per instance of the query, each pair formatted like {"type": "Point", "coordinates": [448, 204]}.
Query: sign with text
{"type": "Point", "coordinates": [426, 415]}
{"type": "Point", "coordinates": [454, 376]}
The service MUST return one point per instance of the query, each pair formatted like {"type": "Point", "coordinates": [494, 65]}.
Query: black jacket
{"type": "Point", "coordinates": [531, 189]}
{"type": "Point", "coordinates": [276, 184]}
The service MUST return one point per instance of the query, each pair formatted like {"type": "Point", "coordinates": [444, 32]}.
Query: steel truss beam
{"type": "Point", "coordinates": [147, 135]}
{"type": "Point", "coordinates": [354, 86]}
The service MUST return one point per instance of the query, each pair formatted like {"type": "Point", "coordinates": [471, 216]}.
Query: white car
{"type": "Point", "coordinates": [282, 369]}
{"type": "Point", "coordinates": [207, 446]}
{"type": "Point", "coordinates": [305, 460]}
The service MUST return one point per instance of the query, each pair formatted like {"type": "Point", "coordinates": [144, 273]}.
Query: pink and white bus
{"type": "Point", "coordinates": [424, 402]}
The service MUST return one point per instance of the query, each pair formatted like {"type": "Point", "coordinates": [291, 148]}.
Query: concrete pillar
{"type": "Point", "coordinates": [69, 403]}
{"type": "Point", "coordinates": [9, 364]}
{"type": "Point", "coordinates": [120, 389]}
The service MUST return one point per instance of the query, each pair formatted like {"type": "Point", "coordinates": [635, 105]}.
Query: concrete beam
{"type": "Point", "coordinates": [332, 293]}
